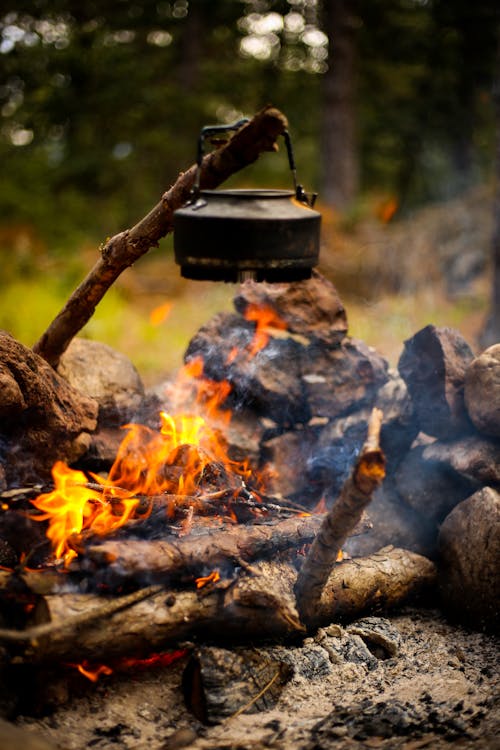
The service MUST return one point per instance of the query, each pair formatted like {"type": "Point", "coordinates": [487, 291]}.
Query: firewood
{"type": "Point", "coordinates": [356, 494]}
{"type": "Point", "coordinates": [42, 417]}
{"type": "Point", "coordinates": [161, 561]}
{"type": "Point", "coordinates": [433, 365]}
{"type": "Point", "coordinates": [259, 605]}
{"type": "Point", "coordinates": [125, 248]}
{"type": "Point", "coordinates": [219, 683]}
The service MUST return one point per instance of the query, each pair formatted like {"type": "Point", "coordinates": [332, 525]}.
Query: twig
{"type": "Point", "coordinates": [251, 702]}
{"type": "Point", "coordinates": [356, 494]}
{"type": "Point", "coordinates": [125, 248]}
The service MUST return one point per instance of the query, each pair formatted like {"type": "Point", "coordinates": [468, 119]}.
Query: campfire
{"type": "Point", "coordinates": [245, 520]}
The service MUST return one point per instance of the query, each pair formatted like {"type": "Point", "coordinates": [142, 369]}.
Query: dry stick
{"type": "Point", "coordinates": [366, 476]}
{"type": "Point", "coordinates": [122, 250]}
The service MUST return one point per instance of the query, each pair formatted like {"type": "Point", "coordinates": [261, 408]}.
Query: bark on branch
{"type": "Point", "coordinates": [258, 606]}
{"type": "Point", "coordinates": [122, 250]}
{"type": "Point", "coordinates": [366, 476]}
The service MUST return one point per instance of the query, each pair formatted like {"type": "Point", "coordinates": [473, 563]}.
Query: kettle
{"type": "Point", "coordinates": [262, 234]}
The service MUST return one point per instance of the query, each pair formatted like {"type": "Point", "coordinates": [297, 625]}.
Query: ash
{"type": "Point", "coordinates": [420, 683]}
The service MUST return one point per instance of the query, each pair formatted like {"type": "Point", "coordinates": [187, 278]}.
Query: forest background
{"type": "Point", "coordinates": [393, 108]}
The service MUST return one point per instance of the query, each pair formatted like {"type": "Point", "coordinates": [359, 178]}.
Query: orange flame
{"type": "Point", "coordinates": [148, 463]}
{"type": "Point", "coordinates": [212, 577]}
{"type": "Point", "coordinates": [93, 672]}
{"type": "Point", "coordinates": [159, 314]}
{"type": "Point", "coordinates": [265, 318]}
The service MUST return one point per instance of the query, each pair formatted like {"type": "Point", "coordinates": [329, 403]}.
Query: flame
{"type": "Point", "coordinates": [93, 671]}
{"type": "Point", "coordinates": [148, 462]}
{"type": "Point", "coordinates": [159, 314]}
{"type": "Point", "coordinates": [72, 507]}
{"type": "Point", "coordinates": [265, 318]}
{"type": "Point", "coordinates": [212, 577]}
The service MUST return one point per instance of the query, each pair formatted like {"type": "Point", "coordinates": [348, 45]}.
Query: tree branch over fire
{"type": "Point", "coordinates": [367, 474]}
{"type": "Point", "coordinates": [125, 248]}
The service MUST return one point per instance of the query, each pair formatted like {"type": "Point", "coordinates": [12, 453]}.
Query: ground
{"type": "Point", "coordinates": [440, 689]}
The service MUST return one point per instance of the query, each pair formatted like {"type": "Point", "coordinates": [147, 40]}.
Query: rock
{"type": "Point", "coordinates": [476, 459]}
{"type": "Point", "coordinates": [469, 545]}
{"type": "Point", "coordinates": [338, 381]}
{"type": "Point", "coordinates": [286, 457]}
{"type": "Point", "coordinates": [482, 391]}
{"type": "Point", "coordinates": [105, 375]}
{"type": "Point", "coordinates": [267, 382]}
{"type": "Point", "coordinates": [431, 486]}
{"type": "Point", "coordinates": [43, 418]}
{"type": "Point", "coordinates": [311, 307]}
{"type": "Point", "coordinates": [433, 365]}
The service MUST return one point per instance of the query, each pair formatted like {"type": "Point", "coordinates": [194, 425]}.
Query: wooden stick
{"type": "Point", "coordinates": [122, 250]}
{"type": "Point", "coordinates": [256, 607]}
{"type": "Point", "coordinates": [366, 476]}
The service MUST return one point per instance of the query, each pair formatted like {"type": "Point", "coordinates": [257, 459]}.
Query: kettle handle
{"type": "Point", "coordinates": [209, 130]}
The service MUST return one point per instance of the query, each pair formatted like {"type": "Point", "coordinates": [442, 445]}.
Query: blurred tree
{"type": "Point", "coordinates": [101, 102]}
{"type": "Point", "coordinates": [339, 127]}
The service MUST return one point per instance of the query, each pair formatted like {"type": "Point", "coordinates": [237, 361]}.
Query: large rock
{"type": "Point", "coordinates": [473, 457]}
{"type": "Point", "coordinates": [469, 546]}
{"type": "Point", "coordinates": [430, 485]}
{"type": "Point", "coordinates": [106, 376]}
{"type": "Point", "coordinates": [42, 418]}
{"type": "Point", "coordinates": [433, 365]}
{"type": "Point", "coordinates": [311, 307]}
{"type": "Point", "coordinates": [482, 391]}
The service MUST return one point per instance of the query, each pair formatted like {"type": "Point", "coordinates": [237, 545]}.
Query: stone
{"type": "Point", "coordinates": [482, 391]}
{"type": "Point", "coordinates": [433, 365]}
{"type": "Point", "coordinates": [105, 375]}
{"type": "Point", "coordinates": [43, 418]}
{"type": "Point", "coordinates": [430, 485]}
{"type": "Point", "coordinates": [469, 573]}
{"type": "Point", "coordinates": [311, 308]}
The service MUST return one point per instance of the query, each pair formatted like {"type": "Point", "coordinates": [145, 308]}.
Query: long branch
{"type": "Point", "coordinates": [125, 248]}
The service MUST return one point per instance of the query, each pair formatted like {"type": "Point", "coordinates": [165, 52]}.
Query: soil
{"type": "Point", "coordinates": [438, 685]}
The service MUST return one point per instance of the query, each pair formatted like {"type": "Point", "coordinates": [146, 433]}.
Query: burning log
{"type": "Point", "coordinates": [367, 475]}
{"type": "Point", "coordinates": [42, 416]}
{"type": "Point", "coordinates": [113, 562]}
{"type": "Point", "coordinates": [162, 561]}
{"type": "Point", "coordinates": [259, 604]}
{"type": "Point", "coordinates": [125, 248]}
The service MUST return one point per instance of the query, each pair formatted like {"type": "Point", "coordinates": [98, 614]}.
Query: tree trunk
{"type": "Point", "coordinates": [491, 334]}
{"type": "Point", "coordinates": [339, 147]}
